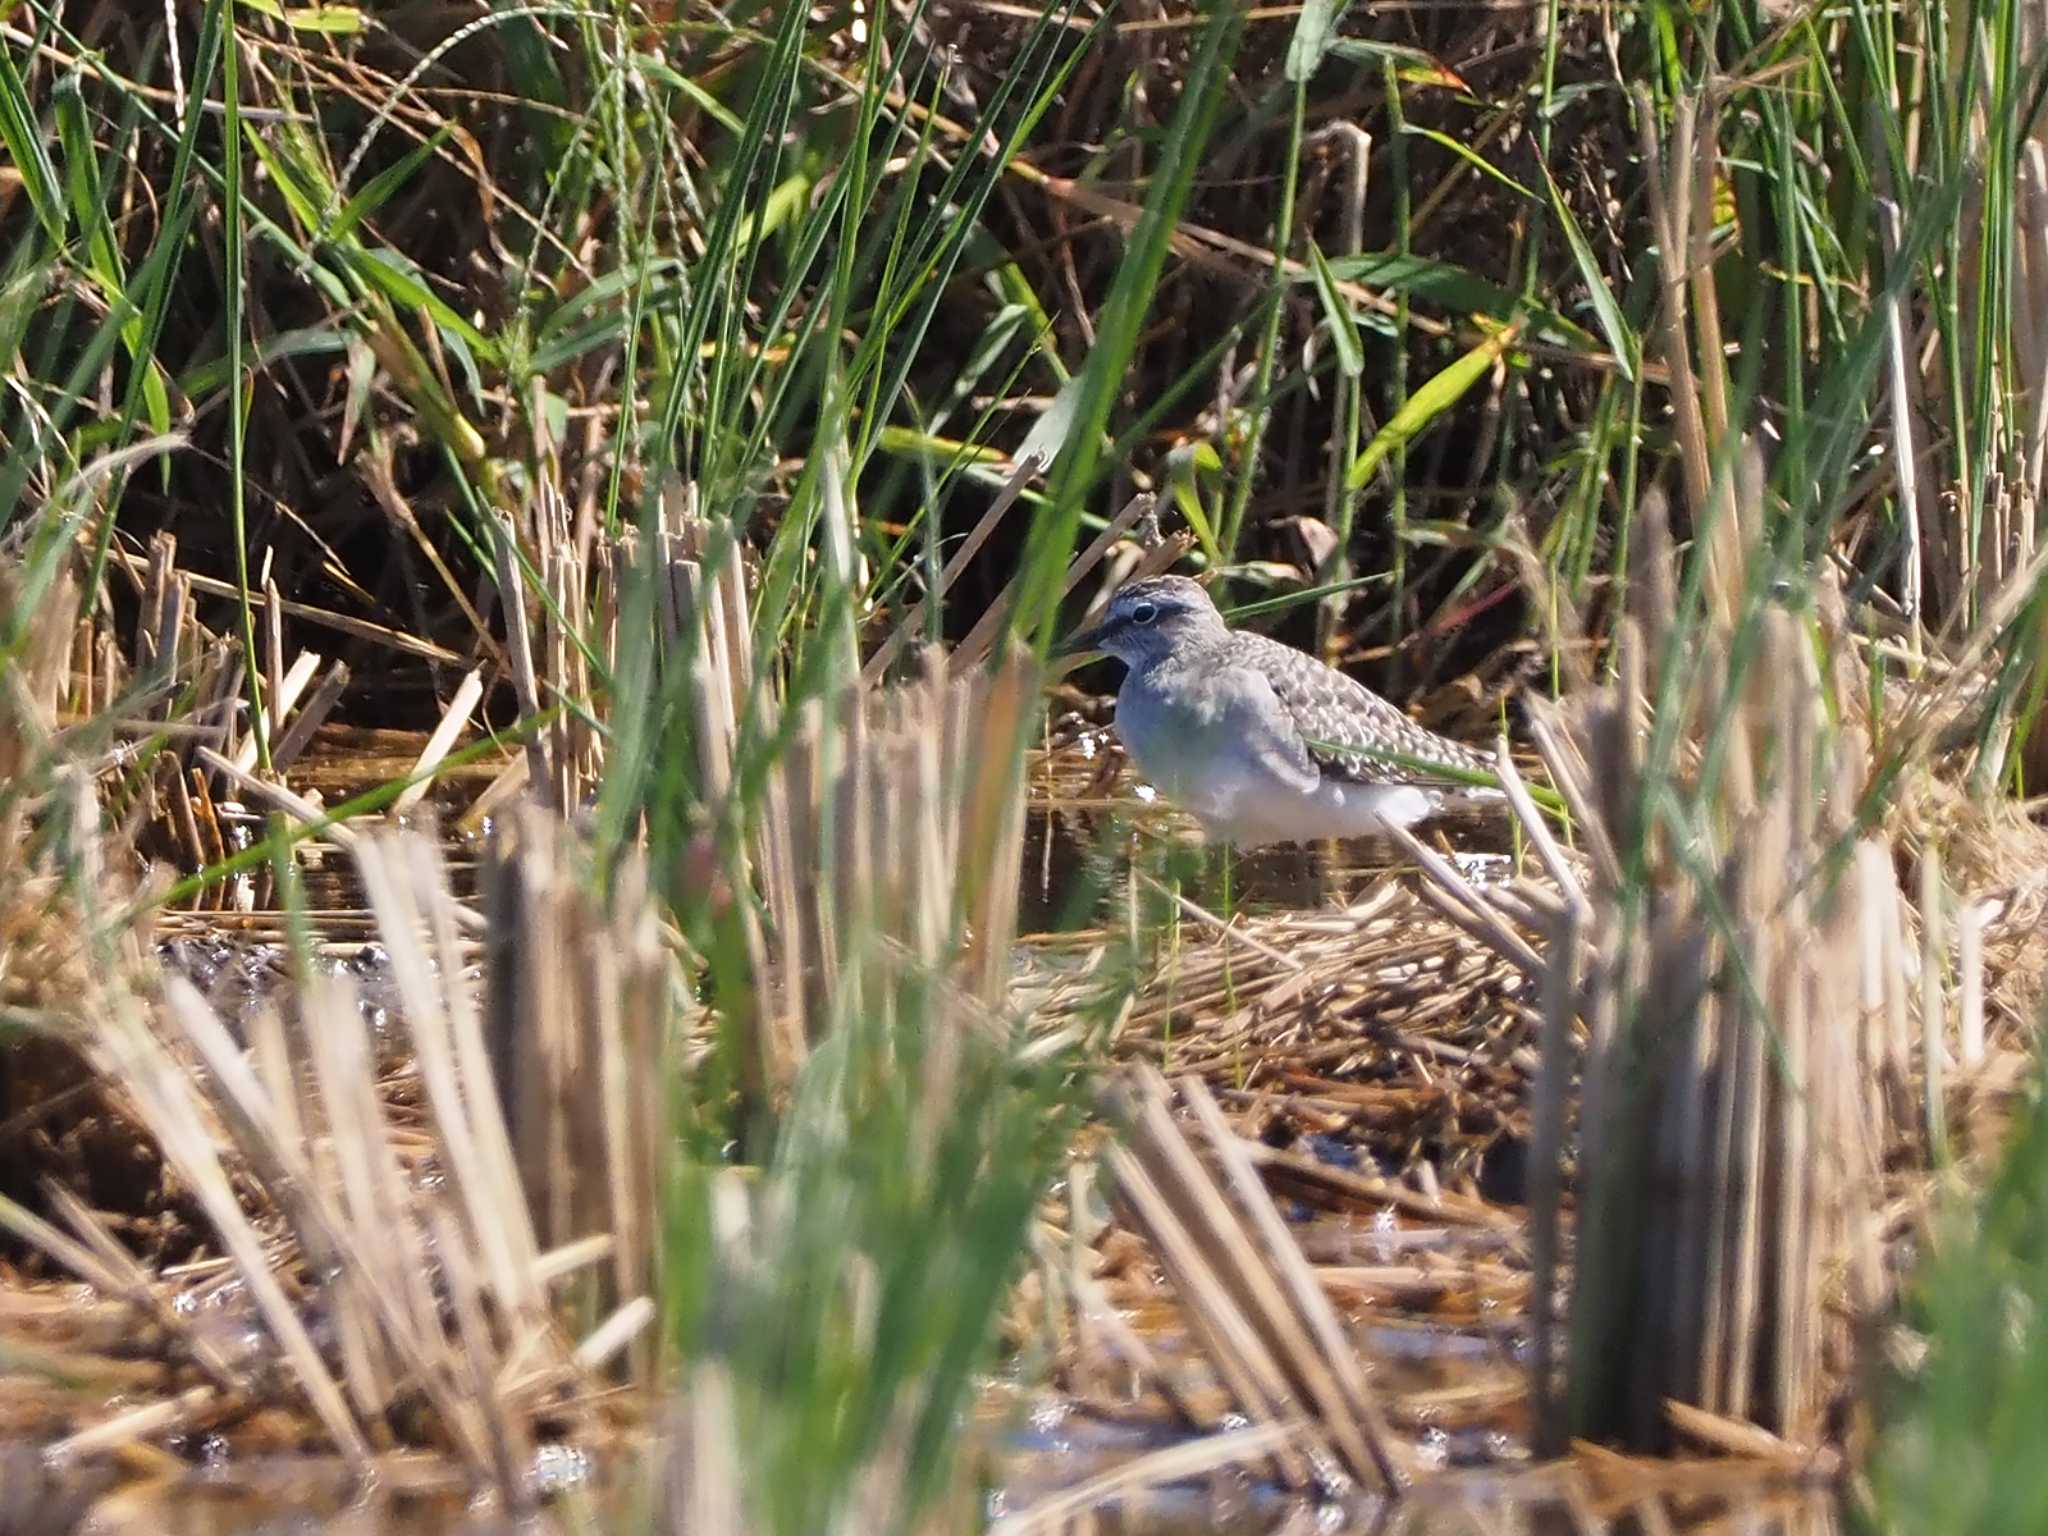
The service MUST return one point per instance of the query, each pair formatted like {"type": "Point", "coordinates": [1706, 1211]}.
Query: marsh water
{"type": "Point", "coordinates": [1437, 1306]}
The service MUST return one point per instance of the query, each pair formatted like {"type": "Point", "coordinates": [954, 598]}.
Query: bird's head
{"type": "Point", "coordinates": [1149, 619]}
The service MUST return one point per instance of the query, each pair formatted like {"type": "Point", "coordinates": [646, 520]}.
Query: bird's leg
{"type": "Point", "coordinates": [1225, 909]}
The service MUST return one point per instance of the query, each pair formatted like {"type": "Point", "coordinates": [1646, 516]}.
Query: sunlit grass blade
{"type": "Point", "coordinates": [1429, 404]}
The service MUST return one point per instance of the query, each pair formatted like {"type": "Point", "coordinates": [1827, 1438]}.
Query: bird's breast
{"type": "Point", "coordinates": [1205, 741]}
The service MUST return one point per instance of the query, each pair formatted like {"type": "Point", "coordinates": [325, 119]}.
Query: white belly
{"type": "Point", "coordinates": [1332, 809]}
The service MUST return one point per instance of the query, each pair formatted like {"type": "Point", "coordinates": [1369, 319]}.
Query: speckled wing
{"type": "Point", "coordinates": [1351, 732]}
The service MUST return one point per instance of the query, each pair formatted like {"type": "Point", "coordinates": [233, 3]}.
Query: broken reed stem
{"type": "Point", "coordinates": [1742, 994]}
{"type": "Point", "coordinates": [519, 651]}
{"type": "Point", "coordinates": [447, 731]}
{"type": "Point", "coordinates": [312, 1190]}
{"type": "Point", "coordinates": [1750, 1075]}
{"type": "Point", "coordinates": [286, 749]}
{"type": "Point", "coordinates": [877, 666]}
{"type": "Point", "coordinates": [1265, 1320]}
{"type": "Point", "coordinates": [1669, 211]}
{"type": "Point", "coordinates": [890, 822]}
{"type": "Point", "coordinates": [1558, 1001]}
{"type": "Point", "coordinates": [576, 1018]}
{"type": "Point", "coordinates": [980, 640]}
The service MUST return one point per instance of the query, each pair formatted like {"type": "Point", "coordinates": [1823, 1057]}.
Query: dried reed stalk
{"type": "Point", "coordinates": [877, 666]}
{"type": "Point", "coordinates": [1262, 1316]}
{"type": "Point", "coordinates": [1729, 970]}
{"type": "Point", "coordinates": [979, 641]}
{"type": "Point", "coordinates": [890, 826]}
{"type": "Point", "coordinates": [313, 1193]}
{"type": "Point", "coordinates": [454, 721]}
{"type": "Point", "coordinates": [36, 685]}
{"type": "Point", "coordinates": [883, 841]}
{"type": "Point", "coordinates": [576, 1018]}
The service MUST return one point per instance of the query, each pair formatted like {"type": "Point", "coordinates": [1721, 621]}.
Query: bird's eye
{"type": "Point", "coordinates": [1144, 613]}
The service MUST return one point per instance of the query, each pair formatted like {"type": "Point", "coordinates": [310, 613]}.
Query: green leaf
{"type": "Point", "coordinates": [1467, 153]}
{"type": "Point", "coordinates": [332, 20]}
{"type": "Point", "coordinates": [422, 390]}
{"type": "Point", "coordinates": [1048, 435]}
{"type": "Point", "coordinates": [1436, 283]}
{"type": "Point", "coordinates": [103, 256]}
{"type": "Point", "coordinates": [779, 207]}
{"type": "Point", "coordinates": [1429, 768]}
{"type": "Point", "coordinates": [1447, 287]}
{"type": "Point", "coordinates": [1613, 324]}
{"type": "Point", "coordinates": [392, 275]}
{"type": "Point", "coordinates": [1343, 328]}
{"type": "Point", "coordinates": [362, 371]}
{"type": "Point", "coordinates": [82, 183]}
{"type": "Point", "coordinates": [1184, 466]}
{"type": "Point", "coordinates": [1413, 65]}
{"type": "Point", "coordinates": [1238, 613]}
{"type": "Point", "coordinates": [455, 346]}
{"type": "Point", "coordinates": [705, 102]}
{"type": "Point", "coordinates": [1431, 401]}
{"type": "Point", "coordinates": [1311, 39]}
{"type": "Point", "coordinates": [285, 176]}
{"type": "Point", "coordinates": [24, 140]}
{"type": "Point", "coordinates": [930, 448]}
{"type": "Point", "coordinates": [663, 277]}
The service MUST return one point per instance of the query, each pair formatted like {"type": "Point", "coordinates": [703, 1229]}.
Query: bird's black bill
{"type": "Point", "coordinates": [1083, 642]}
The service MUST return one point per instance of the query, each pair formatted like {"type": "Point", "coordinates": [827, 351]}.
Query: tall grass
{"type": "Point", "coordinates": [1962, 1374]}
{"type": "Point", "coordinates": [740, 313]}
{"type": "Point", "coordinates": [1736, 1296]}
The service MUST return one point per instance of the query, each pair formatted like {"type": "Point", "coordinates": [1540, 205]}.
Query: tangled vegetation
{"type": "Point", "coordinates": [660, 443]}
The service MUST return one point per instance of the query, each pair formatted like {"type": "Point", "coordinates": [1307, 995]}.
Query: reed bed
{"type": "Point", "coordinates": [643, 451]}
{"type": "Point", "coordinates": [395, 1309]}
{"type": "Point", "coordinates": [1770, 1020]}
{"type": "Point", "coordinates": [1295, 1018]}
{"type": "Point", "coordinates": [407, 1216]}
{"type": "Point", "coordinates": [509, 1122]}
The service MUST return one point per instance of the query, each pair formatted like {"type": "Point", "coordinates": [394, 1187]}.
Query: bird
{"type": "Point", "coordinates": [1262, 743]}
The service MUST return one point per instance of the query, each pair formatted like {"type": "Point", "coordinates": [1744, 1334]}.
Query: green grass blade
{"type": "Point", "coordinates": [1621, 337]}
{"type": "Point", "coordinates": [26, 147]}
{"type": "Point", "coordinates": [1428, 404]}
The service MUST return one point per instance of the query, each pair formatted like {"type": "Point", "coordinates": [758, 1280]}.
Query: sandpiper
{"type": "Point", "coordinates": [1258, 741]}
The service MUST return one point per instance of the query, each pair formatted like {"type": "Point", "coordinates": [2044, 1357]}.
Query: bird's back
{"type": "Point", "coordinates": [1349, 731]}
